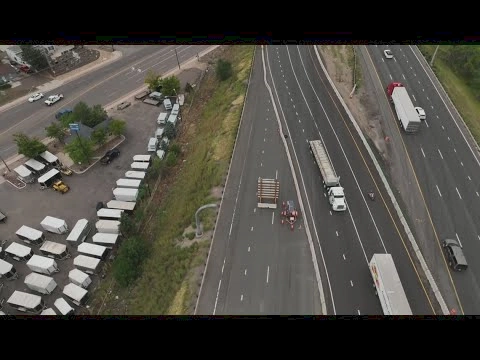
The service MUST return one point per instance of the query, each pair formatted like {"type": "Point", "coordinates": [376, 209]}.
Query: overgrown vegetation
{"type": "Point", "coordinates": [30, 147]}
{"type": "Point", "coordinates": [162, 287]}
{"type": "Point", "coordinates": [80, 150]}
{"type": "Point", "coordinates": [83, 114]}
{"type": "Point", "coordinates": [224, 69]}
{"type": "Point", "coordinates": [34, 57]}
{"type": "Point", "coordinates": [458, 69]}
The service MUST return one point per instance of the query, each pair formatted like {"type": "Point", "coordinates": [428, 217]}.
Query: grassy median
{"type": "Point", "coordinates": [207, 138]}
{"type": "Point", "coordinates": [460, 93]}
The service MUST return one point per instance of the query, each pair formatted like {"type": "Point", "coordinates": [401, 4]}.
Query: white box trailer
{"type": "Point", "coordinates": [388, 285]}
{"type": "Point", "coordinates": [94, 250]}
{"type": "Point", "coordinates": [172, 119]}
{"type": "Point", "coordinates": [19, 252]}
{"type": "Point", "coordinates": [135, 174]}
{"type": "Point", "coordinates": [63, 306]}
{"type": "Point", "coordinates": [48, 311]}
{"type": "Point", "coordinates": [140, 166]}
{"type": "Point", "coordinates": [30, 235]}
{"type": "Point", "coordinates": [50, 158]}
{"type": "Point", "coordinates": [43, 265]}
{"type": "Point", "coordinates": [129, 183]}
{"type": "Point", "coordinates": [79, 278]}
{"type": "Point", "coordinates": [54, 225]}
{"type": "Point", "coordinates": [80, 231]}
{"type": "Point", "coordinates": [109, 214]}
{"type": "Point", "coordinates": [24, 174]}
{"type": "Point", "coordinates": [121, 205]}
{"type": "Point", "coordinates": [104, 239]}
{"type": "Point", "coordinates": [108, 226]}
{"type": "Point", "coordinates": [55, 250]}
{"type": "Point", "coordinates": [162, 118]}
{"type": "Point", "coordinates": [7, 270]}
{"type": "Point", "coordinates": [26, 302]}
{"type": "Point", "coordinates": [87, 264]}
{"type": "Point", "coordinates": [142, 158]}
{"type": "Point", "coordinates": [35, 166]}
{"type": "Point", "coordinates": [75, 294]}
{"type": "Point", "coordinates": [124, 194]}
{"type": "Point", "coordinates": [158, 134]}
{"type": "Point", "coordinates": [406, 113]}
{"type": "Point", "coordinates": [41, 283]}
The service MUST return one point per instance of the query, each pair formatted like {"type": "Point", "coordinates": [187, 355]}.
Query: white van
{"type": "Point", "coordinates": [152, 144]}
{"type": "Point", "coordinates": [168, 104]}
{"type": "Point", "coordinates": [80, 231]}
{"type": "Point", "coordinates": [162, 118]}
{"type": "Point", "coordinates": [175, 109]}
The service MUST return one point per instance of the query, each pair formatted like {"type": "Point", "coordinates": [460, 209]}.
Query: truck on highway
{"type": "Point", "coordinates": [331, 182]}
{"type": "Point", "coordinates": [388, 285]}
{"type": "Point", "coordinates": [407, 115]}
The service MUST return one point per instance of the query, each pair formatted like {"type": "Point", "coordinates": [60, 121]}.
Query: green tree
{"type": "Point", "coordinates": [30, 147]}
{"type": "Point", "coordinates": [99, 136]}
{"type": "Point", "coordinates": [170, 131]}
{"type": "Point", "coordinates": [81, 113]}
{"type": "Point", "coordinates": [67, 119]}
{"type": "Point", "coordinates": [36, 58]}
{"type": "Point", "coordinates": [129, 262]}
{"type": "Point", "coordinates": [176, 149]}
{"type": "Point", "coordinates": [224, 69]}
{"type": "Point", "coordinates": [97, 115]}
{"type": "Point", "coordinates": [171, 159]}
{"type": "Point", "coordinates": [56, 130]}
{"type": "Point", "coordinates": [127, 225]}
{"type": "Point", "coordinates": [170, 86]}
{"type": "Point", "coordinates": [117, 127]}
{"type": "Point", "coordinates": [80, 150]}
{"type": "Point", "coordinates": [153, 80]}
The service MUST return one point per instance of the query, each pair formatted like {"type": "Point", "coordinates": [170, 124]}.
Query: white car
{"type": "Point", "coordinates": [35, 97]}
{"type": "Point", "coordinates": [388, 54]}
{"type": "Point", "coordinates": [53, 99]}
{"type": "Point", "coordinates": [421, 113]}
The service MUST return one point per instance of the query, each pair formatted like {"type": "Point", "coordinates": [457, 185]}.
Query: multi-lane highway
{"type": "Point", "coordinates": [256, 265]}
{"type": "Point", "coordinates": [101, 86]}
{"type": "Point", "coordinates": [447, 169]}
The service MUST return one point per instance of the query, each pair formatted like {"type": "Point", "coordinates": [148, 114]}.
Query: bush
{"type": "Point", "coordinates": [171, 159]}
{"type": "Point", "coordinates": [188, 87]}
{"type": "Point", "coordinates": [128, 264]}
{"type": "Point", "coordinates": [127, 225]}
{"type": "Point", "coordinates": [5, 86]}
{"type": "Point", "coordinates": [224, 69]}
{"type": "Point", "coordinates": [190, 235]}
{"type": "Point", "coordinates": [176, 149]}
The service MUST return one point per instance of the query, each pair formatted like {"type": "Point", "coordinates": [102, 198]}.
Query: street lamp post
{"type": "Point", "coordinates": [434, 54]}
{"type": "Point", "coordinates": [5, 164]}
{"type": "Point", "coordinates": [178, 62]}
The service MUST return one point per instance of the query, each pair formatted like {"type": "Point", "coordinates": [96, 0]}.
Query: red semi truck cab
{"type": "Point", "coordinates": [392, 86]}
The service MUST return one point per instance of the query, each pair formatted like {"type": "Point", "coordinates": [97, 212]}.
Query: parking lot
{"type": "Point", "coordinates": [30, 205]}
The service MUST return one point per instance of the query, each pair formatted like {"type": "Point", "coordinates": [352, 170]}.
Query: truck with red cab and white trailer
{"type": "Point", "coordinates": [407, 115]}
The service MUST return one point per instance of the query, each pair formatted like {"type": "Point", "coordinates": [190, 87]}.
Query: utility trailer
{"type": "Point", "coordinates": [30, 235]}
{"type": "Point", "coordinates": [24, 174]}
{"type": "Point", "coordinates": [139, 166]}
{"type": "Point", "coordinates": [109, 214]}
{"type": "Point", "coordinates": [93, 250]}
{"type": "Point", "coordinates": [42, 265]}
{"type": "Point", "coordinates": [55, 250]}
{"type": "Point", "coordinates": [54, 225]}
{"type": "Point", "coordinates": [19, 252]}
{"type": "Point", "coordinates": [406, 113]}
{"type": "Point", "coordinates": [26, 302]}
{"type": "Point", "coordinates": [121, 205]}
{"type": "Point", "coordinates": [7, 271]}
{"type": "Point", "coordinates": [104, 239]}
{"type": "Point", "coordinates": [80, 231]}
{"type": "Point", "coordinates": [48, 311]}
{"type": "Point", "coordinates": [63, 307]}
{"type": "Point", "coordinates": [129, 183]}
{"type": "Point", "coordinates": [86, 264]}
{"type": "Point", "coordinates": [124, 194]}
{"type": "Point", "coordinates": [135, 174]}
{"type": "Point", "coordinates": [35, 166]}
{"type": "Point", "coordinates": [75, 294]}
{"type": "Point", "coordinates": [267, 193]}
{"type": "Point", "coordinates": [108, 226]}
{"type": "Point", "coordinates": [388, 285]}
{"type": "Point", "coordinates": [40, 283]}
{"type": "Point", "coordinates": [142, 158]}
{"type": "Point", "coordinates": [79, 278]}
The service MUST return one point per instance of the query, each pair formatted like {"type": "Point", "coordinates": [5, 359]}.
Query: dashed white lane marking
{"type": "Point", "coordinates": [351, 283]}
{"type": "Point", "coordinates": [249, 249]}
{"type": "Point", "coordinates": [440, 153]}
{"type": "Point", "coordinates": [251, 229]}
{"type": "Point", "coordinates": [268, 272]}
{"type": "Point", "coordinates": [336, 232]}
{"type": "Point", "coordinates": [459, 240]}
{"type": "Point", "coordinates": [438, 191]}
{"type": "Point", "coordinates": [344, 257]}
{"type": "Point", "coordinates": [458, 192]}
{"type": "Point", "coordinates": [273, 216]}
{"type": "Point", "coordinates": [241, 298]}
{"type": "Point", "coordinates": [245, 272]}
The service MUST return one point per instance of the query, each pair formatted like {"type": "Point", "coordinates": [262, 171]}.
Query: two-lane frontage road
{"type": "Point", "coordinates": [102, 86]}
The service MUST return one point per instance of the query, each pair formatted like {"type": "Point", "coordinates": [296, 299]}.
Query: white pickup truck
{"type": "Point", "coordinates": [53, 99]}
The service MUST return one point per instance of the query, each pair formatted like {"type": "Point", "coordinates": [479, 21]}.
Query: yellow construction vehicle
{"type": "Point", "coordinates": [53, 179]}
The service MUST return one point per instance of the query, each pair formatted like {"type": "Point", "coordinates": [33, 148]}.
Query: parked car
{"type": "Point", "coordinates": [62, 112]}
{"type": "Point", "coordinates": [455, 257]}
{"type": "Point", "coordinates": [109, 156]}
{"type": "Point", "coordinates": [123, 105]}
{"type": "Point", "coordinates": [35, 97]}
{"type": "Point", "coordinates": [388, 54]}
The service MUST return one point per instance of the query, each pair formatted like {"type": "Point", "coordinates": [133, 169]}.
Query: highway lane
{"type": "Point", "coordinates": [453, 170]}
{"type": "Point", "coordinates": [374, 229]}
{"type": "Point", "coordinates": [256, 265]}
{"type": "Point", "coordinates": [102, 86]}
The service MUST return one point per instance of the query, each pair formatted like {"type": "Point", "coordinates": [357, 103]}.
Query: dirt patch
{"type": "Point", "coordinates": [186, 242]}
{"type": "Point", "coordinates": [338, 60]}
{"type": "Point", "coordinates": [217, 192]}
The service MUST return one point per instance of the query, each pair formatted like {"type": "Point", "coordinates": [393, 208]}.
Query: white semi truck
{"type": "Point", "coordinates": [331, 182]}
{"type": "Point", "coordinates": [406, 113]}
{"type": "Point", "coordinates": [388, 285]}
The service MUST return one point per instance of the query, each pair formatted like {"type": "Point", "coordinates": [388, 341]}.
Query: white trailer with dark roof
{"type": "Point", "coordinates": [87, 264]}
{"type": "Point", "coordinates": [121, 205]}
{"type": "Point", "coordinates": [79, 278]}
{"type": "Point", "coordinates": [41, 283]}
{"type": "Point", "coordinates": [388, 285]}
{"type": "Point", "coordinates": [54, 225]}
{"type": "Point", "coordinates": [80, 231]}
{"type": "Point", "coordinates": [75, 294]}
{"type": "Point", "coordinates": [43, 265]}
{"type": "Point", "coordinates": [108, 226]}
{"type": "Point", "coordinates": [107, 240]}
{"type": "Point", "coordinates": [7, 270]}
{"type": "Point", "coordinates": [26, 302]}
{"type": "Point", "coordinates": [19, 252]}
{"type": "Point", "coordinates": [94, 250]}
{"type": "Point", "coordinates": [30, 235]}
{"type": "Point", "coordinates": [55, 250]}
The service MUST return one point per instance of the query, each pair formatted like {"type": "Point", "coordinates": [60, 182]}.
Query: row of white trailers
{"type": "Point", "coordinates": [32, 167]}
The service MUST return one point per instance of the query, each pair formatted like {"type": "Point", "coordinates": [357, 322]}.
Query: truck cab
{"type": "Point", "coordinates": [336, 198]}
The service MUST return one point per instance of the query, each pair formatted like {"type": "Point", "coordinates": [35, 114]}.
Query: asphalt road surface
{"type": "Point", "coordinates": [257, 265]}
{"type": "Point", "coordinates": [101, 86]}
{"type": "Point", "coordinates": [310, 111]}
{"type": "Point", "coordinates": [447, 168]}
